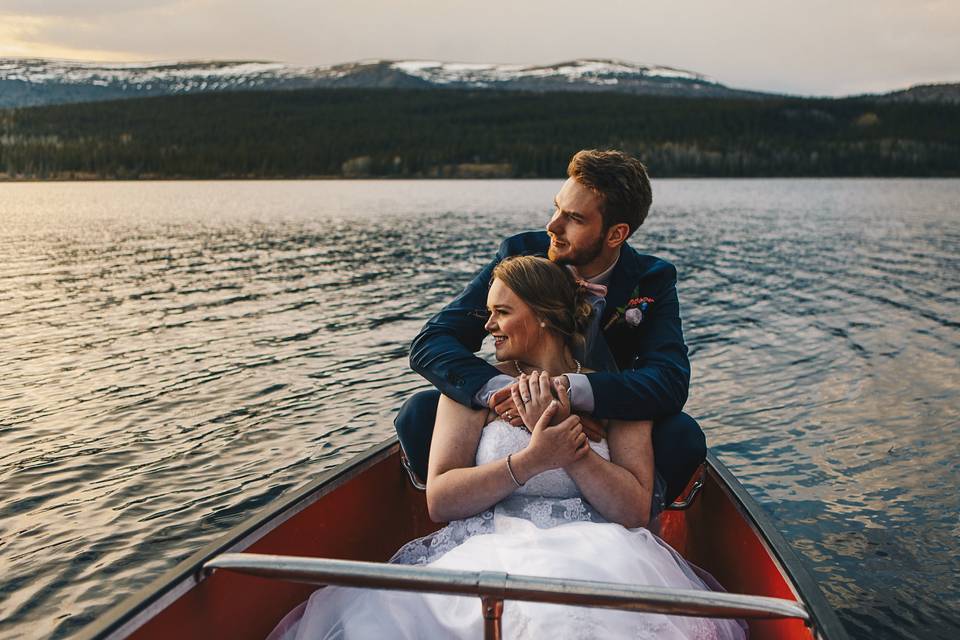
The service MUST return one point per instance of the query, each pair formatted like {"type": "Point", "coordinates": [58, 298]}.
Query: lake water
{"type": "Point", "coordinates": [175, 355]}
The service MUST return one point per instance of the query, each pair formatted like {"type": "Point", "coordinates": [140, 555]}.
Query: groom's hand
{"type": "Point", "coordinates": [595, 428]}
{"type": "Point", "coordinates": [501, 403]}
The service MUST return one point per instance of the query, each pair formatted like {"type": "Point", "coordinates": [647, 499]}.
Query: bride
{"type": "Point", "coordinates": [540, 500]}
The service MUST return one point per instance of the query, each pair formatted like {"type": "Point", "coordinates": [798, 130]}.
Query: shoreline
{"type": "Point", "coordinates": [334, 178]}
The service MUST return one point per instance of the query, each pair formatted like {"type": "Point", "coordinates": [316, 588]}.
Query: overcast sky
{"type": "Point", "coordinates": [819, 47]}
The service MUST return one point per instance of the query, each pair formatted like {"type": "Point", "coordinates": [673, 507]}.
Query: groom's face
{"type": "Point", "coordinates": [576, 228]}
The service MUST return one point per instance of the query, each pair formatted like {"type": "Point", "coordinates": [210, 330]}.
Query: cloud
{"type": "Point", "coordinates": [102, 29]}
{"type": "Point", "coordinates": [83, 8]}
{"type": "Point", "coordinates": [24, 37]}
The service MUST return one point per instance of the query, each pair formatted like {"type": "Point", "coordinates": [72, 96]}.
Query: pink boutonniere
{"type": "Point", "coordinates": [633, 311]}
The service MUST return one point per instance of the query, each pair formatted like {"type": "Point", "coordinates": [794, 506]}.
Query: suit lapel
{"type": "Point", "coordinates": [622, 282]}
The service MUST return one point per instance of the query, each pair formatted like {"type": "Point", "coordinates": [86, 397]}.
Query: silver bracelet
{"type": "Point", "coordinates": [513, 476]}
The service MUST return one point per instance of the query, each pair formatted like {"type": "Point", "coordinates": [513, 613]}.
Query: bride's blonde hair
{"type": "Point", "coordinates": [551, 291]}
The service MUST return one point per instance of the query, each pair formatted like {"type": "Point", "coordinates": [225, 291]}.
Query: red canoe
{"type": "Point", "coordinates": [366, 508]}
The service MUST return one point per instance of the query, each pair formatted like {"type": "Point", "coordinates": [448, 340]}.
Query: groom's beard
{"type": "Point", "coordinates": [579, 257]}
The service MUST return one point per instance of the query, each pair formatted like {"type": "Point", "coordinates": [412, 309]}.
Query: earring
{"type": "Point", "coordinates": [543, 324]}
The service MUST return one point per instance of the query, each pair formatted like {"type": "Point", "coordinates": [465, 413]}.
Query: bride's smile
{"type": "Point", "coordinates": [512, 323]}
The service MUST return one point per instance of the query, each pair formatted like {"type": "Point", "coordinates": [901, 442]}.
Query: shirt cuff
{"type": "Point", "coordinates": [581, 393]}
{"type": "Point", "coordinates": [494, 384]}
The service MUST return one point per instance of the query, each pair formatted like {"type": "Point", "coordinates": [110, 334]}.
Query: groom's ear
{"type": "Point", "coordinates": [617, 234]}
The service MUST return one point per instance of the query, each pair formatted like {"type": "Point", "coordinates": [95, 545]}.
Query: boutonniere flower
{"type": "Point", "coordinates": [634, 310]}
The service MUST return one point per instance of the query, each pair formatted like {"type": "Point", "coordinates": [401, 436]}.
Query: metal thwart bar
{"type": "Point", "coordinates": [494, 587]}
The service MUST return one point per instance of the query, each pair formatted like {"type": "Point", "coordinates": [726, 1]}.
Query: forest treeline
{"type": "Point", "coordinates": [445, 133]}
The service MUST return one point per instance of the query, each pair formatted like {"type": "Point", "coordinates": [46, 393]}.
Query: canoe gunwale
{"type": "Point", "coordinates": [824, 621]}
{"type": "Point", "coordinates": [127, 616]}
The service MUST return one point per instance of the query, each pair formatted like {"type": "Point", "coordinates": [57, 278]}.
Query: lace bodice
{"type": "Point", "coordinates": [500, 438]}
{"type": "Point", "coordinates": [547, 500]}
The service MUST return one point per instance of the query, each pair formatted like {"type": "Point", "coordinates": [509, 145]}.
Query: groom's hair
{"type": "Point", "coordinates": [620, 180]}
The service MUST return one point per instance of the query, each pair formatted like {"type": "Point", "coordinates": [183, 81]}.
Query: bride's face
{"type": "Point", "coordinates": [512, 323]}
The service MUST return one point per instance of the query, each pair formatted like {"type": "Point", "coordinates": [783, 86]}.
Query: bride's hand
{"type": "Point", "coordinates": [533, 394]}
{"type": "Point", "coordinates": [556, 446]}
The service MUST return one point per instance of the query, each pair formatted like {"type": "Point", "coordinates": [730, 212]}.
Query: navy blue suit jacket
{"type": "Point", "coordinates": [654, 372]}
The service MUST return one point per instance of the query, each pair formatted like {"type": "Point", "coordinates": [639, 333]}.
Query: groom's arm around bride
{"type": "Point", "coordinates": [635, 341]}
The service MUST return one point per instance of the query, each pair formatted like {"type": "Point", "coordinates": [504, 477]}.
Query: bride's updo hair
{"type": "Point", "coordinates": [551, 291]}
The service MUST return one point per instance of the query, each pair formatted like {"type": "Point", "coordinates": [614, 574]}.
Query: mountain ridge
{"type": "Point", "coordinates": [943, 92]}
{"type": "Point", "coordinates": [39, 81]}
{"type": "Point", "coordinates": [28, 82]}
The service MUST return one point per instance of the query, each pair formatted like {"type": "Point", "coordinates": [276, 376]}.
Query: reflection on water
{"type": "Point", "coordinates": [175, 355]}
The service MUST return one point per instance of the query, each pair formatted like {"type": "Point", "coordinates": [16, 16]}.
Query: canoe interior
{"type": "Point", "coordinates": [715, 535]}
{"type": "Point", "coordinates": [368, 511]}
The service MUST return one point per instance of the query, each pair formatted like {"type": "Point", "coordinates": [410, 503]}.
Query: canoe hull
{"type": "Point", "coordinates": [366, 509]}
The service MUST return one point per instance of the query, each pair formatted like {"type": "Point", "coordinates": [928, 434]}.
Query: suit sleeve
{"type": "Point", "coordinates": [444, 350]}
{"type": "Point", "coordinates": [658, 380]}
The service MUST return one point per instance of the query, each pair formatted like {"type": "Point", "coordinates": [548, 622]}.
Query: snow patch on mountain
{"type": "Point", "coordinates": [42, 71]}
{"type": "Point", "coordinates": [587, 71]}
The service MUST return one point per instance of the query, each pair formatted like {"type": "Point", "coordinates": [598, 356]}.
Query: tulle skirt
{"type": "Point", "coordinates": [582, 550]}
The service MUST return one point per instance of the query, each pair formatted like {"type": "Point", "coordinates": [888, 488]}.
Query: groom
{"type": "Point", "coordinates": [634, 342]}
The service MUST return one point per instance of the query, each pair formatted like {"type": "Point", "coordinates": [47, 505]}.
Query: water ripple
{"type": "Point", "coordinates": [176, 355]}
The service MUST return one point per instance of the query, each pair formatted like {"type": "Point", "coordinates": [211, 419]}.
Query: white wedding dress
{"type": "Point", "coordinates": [544, 529]}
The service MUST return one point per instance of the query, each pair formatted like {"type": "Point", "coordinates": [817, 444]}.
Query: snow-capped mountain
{"type": "Point", "coordinates": [26, 82]}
